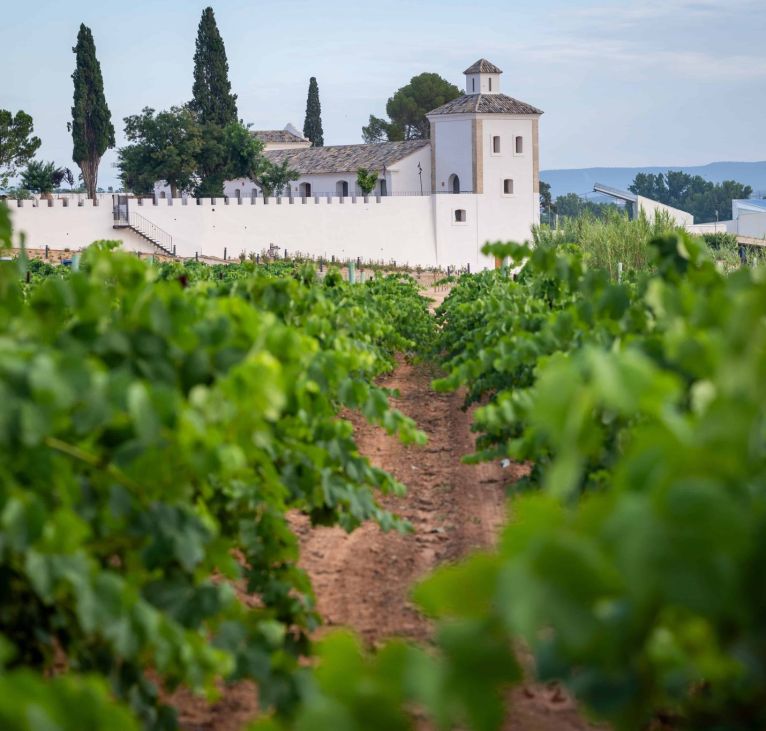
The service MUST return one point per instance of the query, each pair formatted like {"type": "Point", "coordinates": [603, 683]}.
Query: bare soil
{"type": "Point", "coordinates": [363, 579]}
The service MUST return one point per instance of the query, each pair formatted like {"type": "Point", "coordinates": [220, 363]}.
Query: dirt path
{"type": "Point", "coordinates": [363, 579]}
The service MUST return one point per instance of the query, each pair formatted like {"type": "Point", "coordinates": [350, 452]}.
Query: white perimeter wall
{"type": "Point", "coordinates": [415, 230]}
{"type": "Point", "coordinates": [72, 227]}
{"type": "Point", "coordinates": [399, 228]}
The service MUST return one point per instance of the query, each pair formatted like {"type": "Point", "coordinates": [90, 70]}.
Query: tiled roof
{"type": "Point", "coordinates": [277, 135]}
{"type": "Point", "coordinates": [482, 66]}
{"type": "Point", "coordinates": [345, 158]}
{"type": "Point", "coordinates": [486, 104]}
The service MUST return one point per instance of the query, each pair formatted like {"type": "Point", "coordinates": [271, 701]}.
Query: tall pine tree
{"type": "Point", "coordinates": [312, 127]}
{"type": "Point", "coordinates": [91, 126]}
{"type": "Point", "coordinates": [213, 101]}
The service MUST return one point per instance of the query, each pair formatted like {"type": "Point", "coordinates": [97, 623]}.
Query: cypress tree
{"type": "Point", "coordinates": [91, 126]}
{"type": "Point", "coordinates": [312, 127]}
{"type": "Point", "coordinates": [213, 101]}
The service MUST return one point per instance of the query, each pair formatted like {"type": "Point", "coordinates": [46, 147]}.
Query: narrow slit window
{"type": "Point", "coordinates": [490, 83]}
{"type": "Point", "coordinates": [460, 215]}
{"type": "Point", "coordinates": [496, 144]}
{"type": "Point", "coordinates": [508, 186]}
{"type": "Point", "coordinates": [473, 84]}
{"type": "Point", "coordinates": [519, 145]}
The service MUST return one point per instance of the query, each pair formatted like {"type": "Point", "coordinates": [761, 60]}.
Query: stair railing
{"type": "Point", "coordinates": [150, 230]}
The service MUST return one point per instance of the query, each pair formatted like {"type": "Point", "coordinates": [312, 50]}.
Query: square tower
{"type": "Point", "coordinates": [486, 144]}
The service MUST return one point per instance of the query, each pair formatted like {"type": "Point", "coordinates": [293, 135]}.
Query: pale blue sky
{"type": "Point", "coordinates": [664, 82]}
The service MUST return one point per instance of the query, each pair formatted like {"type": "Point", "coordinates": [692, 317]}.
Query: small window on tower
{"type": "Point", "coordinates": [490, 83]}
{"type": "Point", "coordinates": [496, 144]}
{"type": "Point", "coordinates": [519, 145]}
{"type": "Point", "coordinates": [473, 84]}
{"type": "Point", "coordinates": [460, 215]}
{"type": "Point", "coordinates": [508, 186]}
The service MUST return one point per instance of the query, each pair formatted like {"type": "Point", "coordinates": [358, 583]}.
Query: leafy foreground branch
{"type": "Point", "coordinates": [633, 560]}
{"type": "Point", "coordinates": [155, 432]}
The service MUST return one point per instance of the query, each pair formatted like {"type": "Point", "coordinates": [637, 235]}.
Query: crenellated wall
{"type": "Point", "coordinates": [418, 230]}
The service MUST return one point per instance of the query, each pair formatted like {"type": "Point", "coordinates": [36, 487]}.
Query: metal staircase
{"type": "Point", "coordinates": [126, 218]}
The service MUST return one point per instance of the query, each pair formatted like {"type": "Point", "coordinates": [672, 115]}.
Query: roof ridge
{"type": "Point", "coordinates": [482, 66]}
{"type": "Point", "coordinates": [486, 104]}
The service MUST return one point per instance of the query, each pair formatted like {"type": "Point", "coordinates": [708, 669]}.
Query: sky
{"type": "Point", "coordinates": [653, 82]}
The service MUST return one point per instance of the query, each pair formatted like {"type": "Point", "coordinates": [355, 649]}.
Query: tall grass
{"type": "Point", "coordinates": [610, 240]}
{"type": "Point", "coordinates": [613, 239]}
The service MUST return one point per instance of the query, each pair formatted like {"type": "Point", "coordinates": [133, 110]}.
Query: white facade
{"type": "Point", "coordinates": [748, 220]}
{"type": "Point", "coordinates": [436, 203]}
{"type": "Point", "coordinates": [401, 178]}
{"type": "Point", "coordinates": [750, 217]}
{"type": "Point", "coordinates": [650, 207]}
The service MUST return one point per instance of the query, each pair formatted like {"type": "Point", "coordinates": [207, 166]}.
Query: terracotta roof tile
{"type": "Point", "coordinates": [486, 104]}
{"type": "Point", "coordinates": [345, 158]}
{"type": "Point", "coordinates": [277, 135]}
{"type": "Point", "coordinates": [482, 66]}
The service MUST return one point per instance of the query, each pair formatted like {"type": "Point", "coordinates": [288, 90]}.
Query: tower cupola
{"type": "Point", "coordinates": [482, 77]}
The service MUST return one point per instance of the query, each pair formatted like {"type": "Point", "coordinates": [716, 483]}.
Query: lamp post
{"type": "Point", "coordinates": [420, 175]}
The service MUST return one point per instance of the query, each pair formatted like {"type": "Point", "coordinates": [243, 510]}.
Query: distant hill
{"type": "Point", "coordinates": [581, 180]}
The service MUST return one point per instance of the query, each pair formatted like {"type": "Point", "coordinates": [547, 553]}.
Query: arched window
{"type": "Point", "coordinates": [454, 183]}
{"type": "Point", "coordinates": [519, 145]}
{"type": "Point", "coordinates": [460, 215]}
{"type": "Point", "coordinates": [341, 188]}
{"type": "Point", "coordinates": [496, 144]}
{"type": "Point", "coordinates": [305, 190]}
{"type": "Point", "coordinates": [508, 186]}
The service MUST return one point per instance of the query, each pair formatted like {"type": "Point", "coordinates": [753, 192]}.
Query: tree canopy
{"type": "Point", "coordinates": [173, 146]}
{"type": "Point", "coordinates": [572, 205]}
{"type": "Point", "coordinates": [227, 153]}
{"type": "Point", "coordinates": [44, 177]}
{"type": "Point", "coordinates": [312, 126]}
{"type": "Point", "coordinates": [91, 126]}
{"type": "Point", "coordinates": [164, 146]}
{"type": "Point", "coordinates": [273, 177]}
{"type": "Point", "coordinates": [366, 180]}
{"type": "Point", "coordinates": [408, 107]}
{"type": "Point", "coordinates": [545, 195]}
{"type": "Point", "coordinates": [17, 143]}
{"type": "Point", "coordinates": [705, 200]}
{"type": "Point", "coordinates": [212, 99]}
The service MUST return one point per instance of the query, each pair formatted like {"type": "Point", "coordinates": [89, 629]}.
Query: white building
{"type": "Point", "coordinates": [282, 139]}
{"type": "Point", "coordinates": [749, 217]}
{"type": "Point", "coordinates": [637, 204]}
{"type": "Point", "coordinates": [436, 201]}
